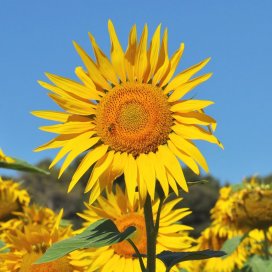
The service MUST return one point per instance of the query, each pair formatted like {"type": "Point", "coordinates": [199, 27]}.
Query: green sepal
{"type": "Point", "coordinates": [21, 165]}
{"type": "Point", "coordinates": [3, 247]}
{"type": "Point", "coordinates": [197, 182]}
{"type": "Point", "coordinates": [101, 233]}
{"type": "Point", "coordinates": [172, 258]}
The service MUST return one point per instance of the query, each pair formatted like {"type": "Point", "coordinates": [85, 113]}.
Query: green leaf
{"type": "Point", "coordinates": [172, 258]}
{"type": "Point", "coordinates": [258, 264]}
{"type": "Point", "coordinates": [231, 245]}
{"type": "Point", "coordinates": [101, 233]}
{"type": "Point", "coordinates": [21, 165]}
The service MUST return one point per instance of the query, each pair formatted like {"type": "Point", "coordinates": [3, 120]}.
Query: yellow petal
{"type": "Point", "coordinates": [174, 216]}
{"type": "Point", "coordinates": [71, 86]}
{"type": "Point", "coordinates": [174, 228]}
{"type": "Point", "coordinates": [86, 80]}
{"type": "Point", "coordinates": [190, 105]}
{"type": "Point", "coordinates": [100, 167]}
{"type": "Point", "coordinates": [130, 173]}
{"type": "Point", "coordinates": [187, 87]}
{"type": "Point", "coordinates": [52, 115]}
{"type": "Point", "coordinates": [69, 127]}
{"type": "Point", "coordinates": [117, 53]}
{"type": "Point", "coordinates": [184, 157]}
{"type": "Point", "coordinates": [130, 55]}
{"type": "Point", "coordinates": [168, 206]}
{"type": "Point", "coordinates": [57, 142]}
{"type": "Point", "coordinates": [185, 75]}
{"type": "Point", "coordinates": [141, 56]}
{"type": "Point", "coordinates": [195, 118]}
{"type": "Point", "coordinates": [91, 157]}
{"type": "Point", "coordinates": [118, 165]}
{"type": "Point", "coordinates": [76, 151]}
{"type": "Point", "coordinates": [153, 52]}
{"type": "Point", "coordinates": [190, 149]}
{"type": "Point", "coordinates": [173, 166]}
{"type": "Point", "coordinates": [163, 61]}
{"type": "Point", "coordinates": [93, 71]}
{"type": "Point", "coordinates": [172, 182]}
{"type": "Point", "coordinates": [73, 106]}
{"type": "Point", "coordinates": [160, 172]}
{"type": "Point", "coordinates": [174, 61]}
{"type": "Point", "coordinates": [70, 145]}
{"type": "Point", "coordinates": [104, 65]}
{"type": "Point", "coordinates": [193, 132]}
{"type": "Point", "coordinates": [146, 169]}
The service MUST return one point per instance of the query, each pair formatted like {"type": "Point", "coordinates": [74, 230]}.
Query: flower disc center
{"type": "Point", "coordinates": [138, 238]}
{"type": "Point", "coordinates": [134, 118]}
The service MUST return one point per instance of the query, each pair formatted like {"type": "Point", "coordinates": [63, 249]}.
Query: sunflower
{"type": "Point", "coordinates": [230, 220]}
{"type": "Point", "coordinates": [172, 235]}
{"type": "Point", "coordinates": [253, 206]}
{"type": "Point", "coordinates": [130, 116]}
{"type": "Point", "coordinates": [30, 215]}
{"type": "Point", "coordinates": [222, 228]}
{"type": "Point", "coordinates": [12, 198]}
{"type": "Point", "coordinates": [28, 244]}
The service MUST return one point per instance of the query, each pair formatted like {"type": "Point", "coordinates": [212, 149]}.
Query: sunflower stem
{"type": "Point", "coordinates": [266, 245]}
{"type": "Point", "coordinates": [138, 255]}
{"type": "Point", "coordinates": [162, 198]}
{"type": "Point", "coordinates": [151, 235]}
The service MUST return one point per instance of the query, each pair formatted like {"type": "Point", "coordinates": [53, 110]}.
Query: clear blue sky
{"type": "Point", "coordinates": [36, 37]}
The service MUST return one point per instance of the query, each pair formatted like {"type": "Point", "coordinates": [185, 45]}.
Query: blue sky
{"type": "Point", "coordinates": [36, 37]}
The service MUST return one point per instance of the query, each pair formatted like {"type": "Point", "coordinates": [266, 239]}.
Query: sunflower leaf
{"type": "Point", "coordinates": [231, 244]}
{"type": "Point", "coordinates": [99, 234]}
{"type": "Point", "coordinates": [20, 165]}
{"type": "Point", "coordinates": [259, 264]}
{"type": "Point", "coordinates": [172, 258]}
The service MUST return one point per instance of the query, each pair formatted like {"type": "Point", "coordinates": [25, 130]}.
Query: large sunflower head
{"type": "Point", "coordinates": [12, 198]}
{"type": "Point", "coordinates": [172, 235]}
{"type": "Point", "coordinates": [130, 115]}
{"type": "Point", "coordinates": [253, 206]}
{"type": "Point", "coordinates": [28, 243]}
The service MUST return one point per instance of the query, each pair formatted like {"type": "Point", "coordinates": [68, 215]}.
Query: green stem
{"type": "Point", "coordinates": [266, 245]}
{"type": "Point", "coordinates": [138, 255]}
{"type": "Point", "coordinates": [151, 235]}
{"type": "Point", "coordinates": [157, 223]}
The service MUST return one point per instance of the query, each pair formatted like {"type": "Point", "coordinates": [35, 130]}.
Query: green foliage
{"type": "Point", "coordinates": [258, 264]}
{"type": "Point", "coordinates": [21, 165]}
{"type": "Point", "coordinates": [101, 233]}
{"type": "Point", "coordinates": [172, 258]}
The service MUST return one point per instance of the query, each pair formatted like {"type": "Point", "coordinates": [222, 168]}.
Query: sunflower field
{"type": "Point", "coordinates": [125, 134]}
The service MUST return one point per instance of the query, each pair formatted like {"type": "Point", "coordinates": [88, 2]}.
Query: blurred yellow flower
{"type": "Point", "coordinates": [28, 243]}
{"type": "Point", "coordinates": [172, 235]}
{"type": "Point", "coordinates": [236, 212]}
{"type": "Point", "coordinates": [130, 115]}
{"type": "Point", "coordinates": [12, 198]}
